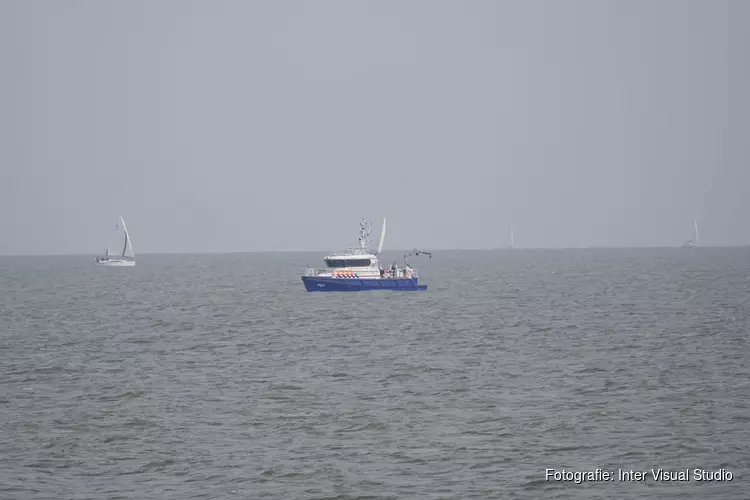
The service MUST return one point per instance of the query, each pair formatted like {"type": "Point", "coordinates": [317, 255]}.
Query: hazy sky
{"type": "Point", "coordinates": [239, 125]}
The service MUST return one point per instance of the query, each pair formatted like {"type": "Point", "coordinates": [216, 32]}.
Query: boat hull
{"type": "Point", "coordinates": [116, 263]}
{"type": "Point", "coordinates": [325, 284]}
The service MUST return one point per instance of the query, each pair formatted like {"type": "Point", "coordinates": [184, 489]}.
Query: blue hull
{"type": "Point", "coordinates": [318, 284]}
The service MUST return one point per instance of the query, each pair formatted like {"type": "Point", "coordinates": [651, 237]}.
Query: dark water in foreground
{"type": "Point", "coordinates": [218, 376]}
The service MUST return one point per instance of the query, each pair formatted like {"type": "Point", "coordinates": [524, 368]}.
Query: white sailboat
{"type": "Point", "coordinates": [120, 253]}
{"type": "Point", "coordinates": [510, 242]}
{"type": "Point", "coordinates": [693, 242]}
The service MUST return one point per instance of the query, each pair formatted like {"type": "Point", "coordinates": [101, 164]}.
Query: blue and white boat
{"type": "Point", "coordinates": [357, 269]}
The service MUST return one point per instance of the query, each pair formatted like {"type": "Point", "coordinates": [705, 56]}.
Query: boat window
{"type": "Point", "coordinates": [347, 262]}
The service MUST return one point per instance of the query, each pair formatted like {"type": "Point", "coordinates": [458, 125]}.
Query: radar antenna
{"type": "Point", "coordinates": [364, 231]}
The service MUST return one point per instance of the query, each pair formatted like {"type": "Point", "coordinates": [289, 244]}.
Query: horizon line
{"type": "Point", "coordinates": [494, 249]}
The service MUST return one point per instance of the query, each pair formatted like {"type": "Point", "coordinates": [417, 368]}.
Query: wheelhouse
{"type": "Point", "coordinates": [353, 258]}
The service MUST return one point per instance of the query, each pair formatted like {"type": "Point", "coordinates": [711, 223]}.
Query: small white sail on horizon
{"type": "Point", "coordinates": [382, 239]}
{"type": "Point", "coordinates": [120, 251]}
{"type": "Point", "coordinates": [693, 242]}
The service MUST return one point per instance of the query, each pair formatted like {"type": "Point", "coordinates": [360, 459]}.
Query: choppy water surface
{"type": "Point", "coordinates": [218, 376]}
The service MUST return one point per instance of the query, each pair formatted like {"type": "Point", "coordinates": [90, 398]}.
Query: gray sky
{"type": "Point", "coordinates": [222, 125]}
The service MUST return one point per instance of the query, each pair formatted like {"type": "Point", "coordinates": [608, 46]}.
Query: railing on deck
{"type": "Point", "coordinates": [408, 273]}
{"type": "Point", "coordinates": [401, 273]}
{"type": "Point", "coordinates": [311, 271]}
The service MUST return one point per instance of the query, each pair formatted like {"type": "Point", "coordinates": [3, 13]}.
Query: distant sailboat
{"type": "Point", "coordinates": [693, 242]}
{"type": "Point", "coordinates": [510, 241]}
{"type": "Point", "coordinates": [120, 253]}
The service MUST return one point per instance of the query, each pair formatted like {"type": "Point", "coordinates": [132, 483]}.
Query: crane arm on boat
{"type": "Point", "coordinates": [416, 252]}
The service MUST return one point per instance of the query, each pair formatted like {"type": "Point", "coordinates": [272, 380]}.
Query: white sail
{"type": "Point", "coordinates": [510, 243]}
{"type": "Point", "coordinates": [693, 242]}
{"type": "Point", "coordinates": [121, 245]}
{"type": "Point", "coordinates": [382, 237]}
{"type": "Point", "coordinates": [128, 248]}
